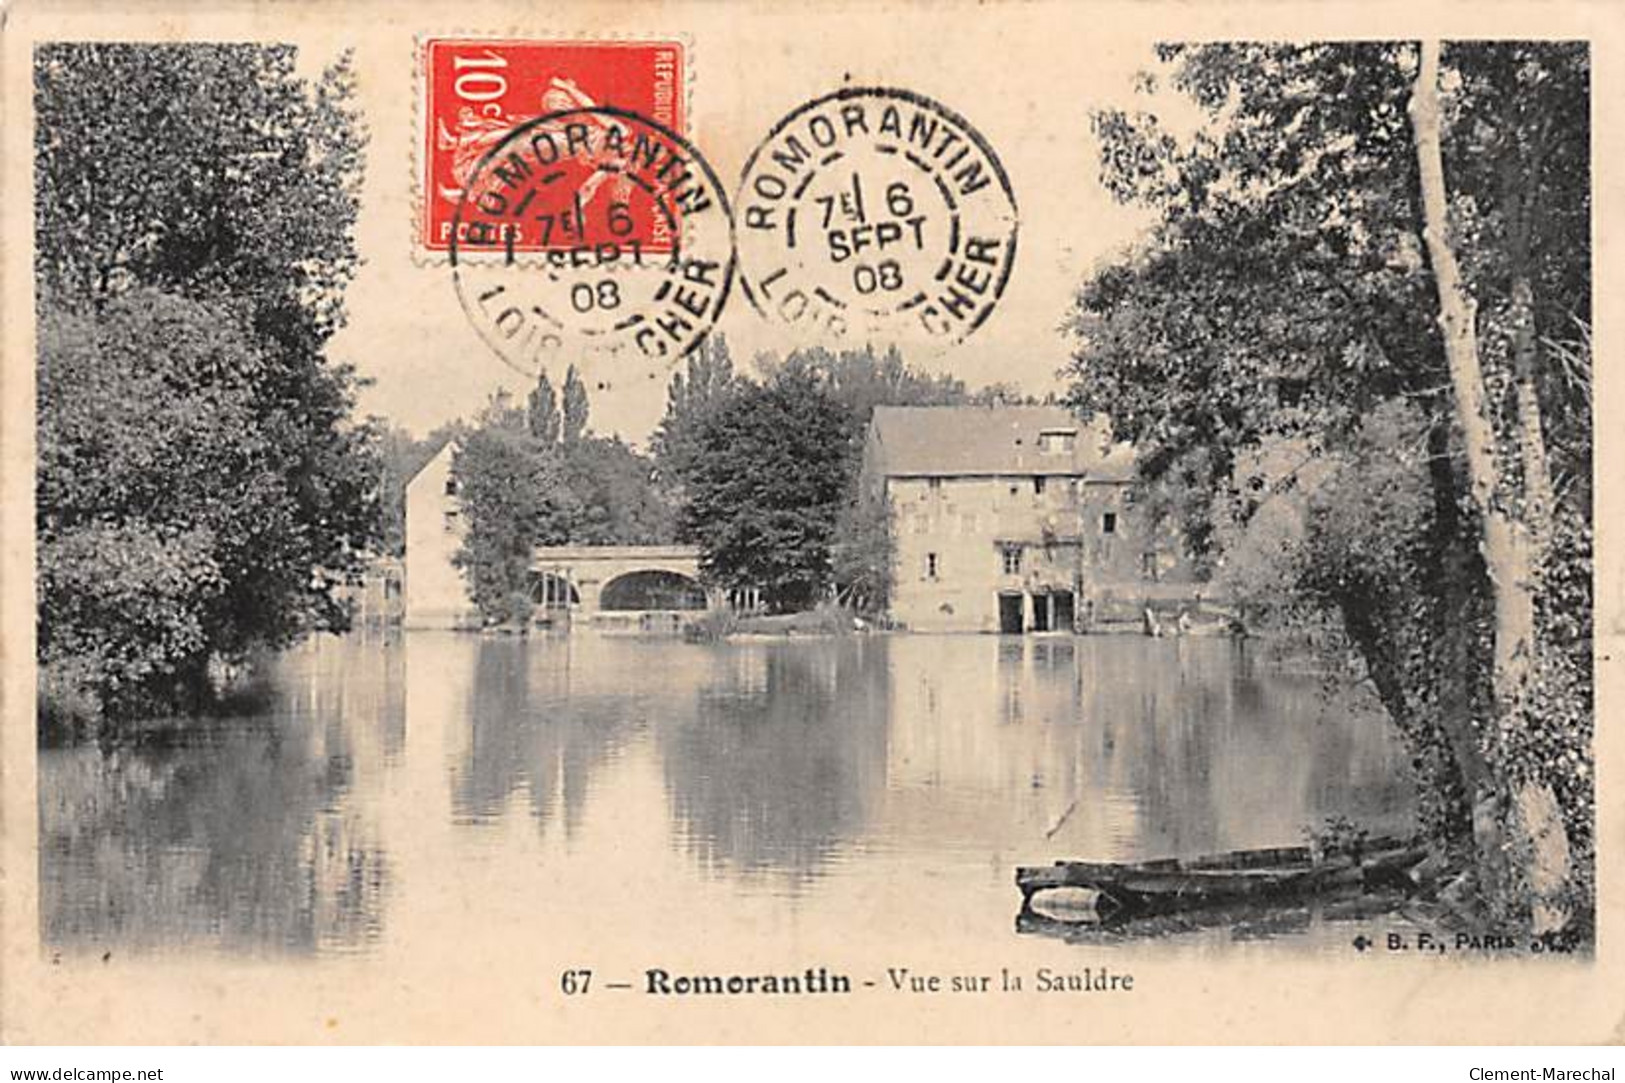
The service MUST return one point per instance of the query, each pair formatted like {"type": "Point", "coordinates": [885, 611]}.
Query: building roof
{"type": "Point", "coordinates": [945, 441]}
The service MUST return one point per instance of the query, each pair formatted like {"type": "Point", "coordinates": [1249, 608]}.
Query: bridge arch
{"type": "Point", "coordinates": [651, 588]}
{"type": "Point", "coordinates": [550, 590]}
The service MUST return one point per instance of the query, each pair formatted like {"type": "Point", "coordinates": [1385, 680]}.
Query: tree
{"type": "Point", "coordinates": [1286, 299]}
{"type": "Point", "coordinates": [1000, 394]}
{"type": "Point", "coordinates": [543, 411]}
{"type": "Point", "coordinates": [236, 187]}
{"type": "Point", "coordinates": [575, 407]}
{"type": "Point", "coordinates": [234, 178]}
{"type": "Point", "coordinates": [619, 502]}
{"type": "Point", "coordinates": [860, 380]}
{"type": "Point", "coordinates": [519, 490]}
{"type": "Point", "coordinates": [150, 475]}
{"type": "Point", "coordinates": [691, 397]}
{"type": "Point", "coordinates": [864, 552]}
{"type": "Point", "coordinates": [772, 465]}
{"type": "Point", "coordinates": [513, 496]}
{"type": "Point", "coordinates": [1514, 526]}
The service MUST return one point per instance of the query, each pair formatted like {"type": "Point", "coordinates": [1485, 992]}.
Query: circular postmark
{"type": "Point", "coordinates": [876, 211]}
{"type": "Point", "coordinates": [593, 235]}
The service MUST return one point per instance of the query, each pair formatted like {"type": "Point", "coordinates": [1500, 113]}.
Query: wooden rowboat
{"type": "Point", "coordinates": [1241, 920]}
{"type": "Point", "coordinates": [1173, 884]}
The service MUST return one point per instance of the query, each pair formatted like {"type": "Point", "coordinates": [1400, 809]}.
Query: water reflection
{"type": "Point", "coordinates": [781, 759]}
{"type": "Point", "coordinates": [544, 715]}
{"type": "Point", "coordinates": [247, 836]}
{"type": "Point", "coordinates": [437, 779]}
{"type": "Point", "coordinates": [528, 734]}
{"type": "Point", "coordinates": [1125, 748]}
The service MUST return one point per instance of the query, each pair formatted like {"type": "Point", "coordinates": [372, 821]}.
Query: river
{"type": "Point", "coordinates": [421, 787]}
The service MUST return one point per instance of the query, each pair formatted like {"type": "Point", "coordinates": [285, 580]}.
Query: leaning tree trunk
{"type": "Point", "coordinates": [1511, 555]}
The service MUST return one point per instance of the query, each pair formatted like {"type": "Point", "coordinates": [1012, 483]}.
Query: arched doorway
{"type": "Point", "coordinates": [652, 589]}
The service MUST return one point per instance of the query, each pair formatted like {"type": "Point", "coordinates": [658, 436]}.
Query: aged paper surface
{"type": "Point", "coordinates": [619, 835]}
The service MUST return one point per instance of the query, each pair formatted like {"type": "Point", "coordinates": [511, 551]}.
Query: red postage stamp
{"type": "Point", "coordinates": [477, 91]}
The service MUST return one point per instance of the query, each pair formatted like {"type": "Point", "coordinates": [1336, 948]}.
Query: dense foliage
{"type": "Point", "coordinates": [619, 501]}
{"type": "Point", "coordinates": [863, 557]}
{"type": "Point", "coordinates": [513, 495]}
{"type": "Point", "coordinates": [201, 489]}
{"type": "Point", "coordinates": [1275, 349]}
{"type": "Point", "coordinates": [692, 397]}
{"type": "Point", "coordinates": [860, 380]}
{"type": "Point", "coordinates": [773, 464]}
{"type": "Point", "coordinates": [573, 407]}
{"type": "Point", "coordinates": [535, 475]}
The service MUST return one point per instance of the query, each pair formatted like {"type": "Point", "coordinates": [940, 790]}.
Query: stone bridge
{"type": "Point", "coordinates": [638, 585]}
{"type": "Point", "coordinates": [591, 579]}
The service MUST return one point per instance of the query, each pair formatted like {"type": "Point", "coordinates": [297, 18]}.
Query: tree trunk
{"type": "Point", "coordinates": [1529, 807]}
{"type": "Point", "coordinates": [1520, 188]}
{"type": "Point", "coordinates": [1539, 503]}
{"type": "Point", "coordinates": [1455, 585]}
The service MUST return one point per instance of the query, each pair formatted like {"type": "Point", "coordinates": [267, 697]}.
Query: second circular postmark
{"type": "Point", "coordinates": [593, 235]}
{"type": "Point", "coordinates": [877, 212]}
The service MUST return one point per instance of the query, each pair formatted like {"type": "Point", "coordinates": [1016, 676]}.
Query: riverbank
{"type": "Point", "coordinates": [718, 625]}
{"type": "Point", "coordinates": [69, 710]}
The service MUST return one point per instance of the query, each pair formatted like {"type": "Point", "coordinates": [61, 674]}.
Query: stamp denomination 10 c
{"type": "Point", "coordinates": [476, 91]}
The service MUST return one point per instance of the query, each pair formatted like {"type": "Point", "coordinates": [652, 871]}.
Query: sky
{"type": "Point", "coordinates": [749, 66]}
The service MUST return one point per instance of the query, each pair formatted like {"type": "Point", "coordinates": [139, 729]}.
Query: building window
{"type": "Point", "coordinates": [1057, 441]}
{"type": "Point", "coordinates": [932, 565]}
{"type": "Point", "coordinates": [451, 522]}
{"type": "Point", "coordinates": [934, 484]}
{"type": "Point", "coordinates": [451, 486]}
{"type": "Point", "coordinates": [1108, 523]}
{"type": "Point", "coordinates": [1038, 486]}
{"type": "Point", "coordinates": [1012, 560]}
{"type": "Point", "coordinates": [1150, 566]}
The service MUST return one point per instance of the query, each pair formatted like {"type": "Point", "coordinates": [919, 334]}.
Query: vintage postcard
{"type": "Point", "coordinates": [846, 522]}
